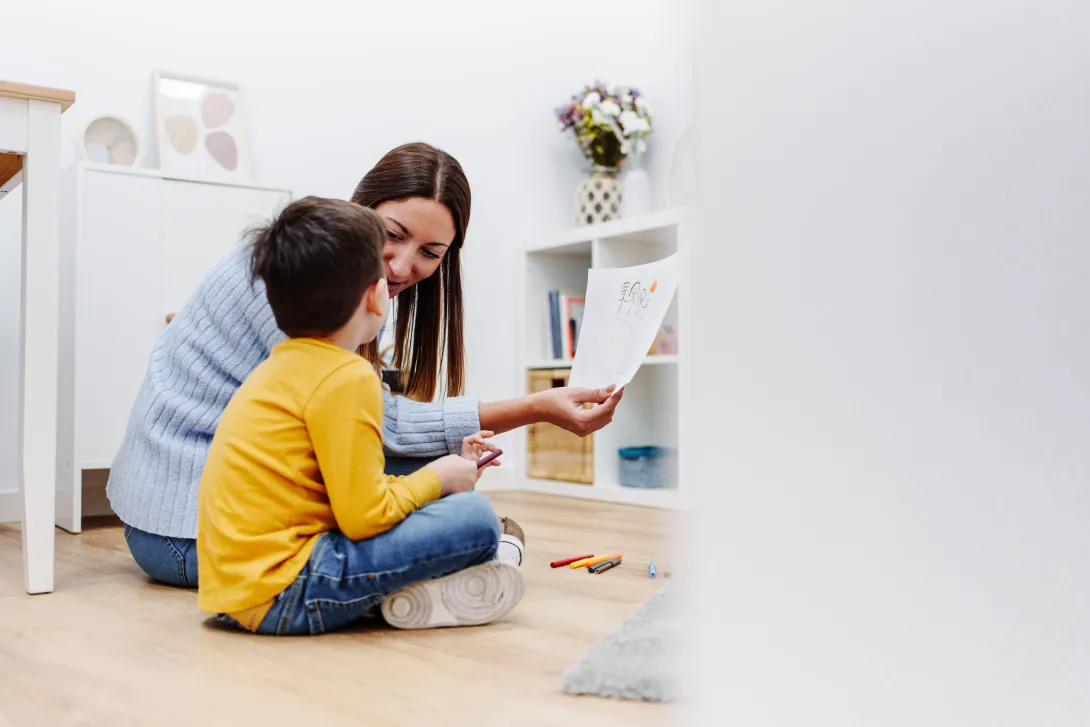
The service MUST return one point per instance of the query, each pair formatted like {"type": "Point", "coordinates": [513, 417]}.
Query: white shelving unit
{"type": "Point", "coordinates": [649, 413]}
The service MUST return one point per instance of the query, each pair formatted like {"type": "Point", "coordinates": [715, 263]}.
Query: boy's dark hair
{"type": "Point", "coordinates": [317, 259]}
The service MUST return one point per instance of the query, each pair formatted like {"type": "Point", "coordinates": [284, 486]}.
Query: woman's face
{"type": "Point", "coordinates": [418, 234]}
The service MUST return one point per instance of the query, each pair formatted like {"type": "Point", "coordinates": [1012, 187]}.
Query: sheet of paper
{"type": "Point", "coordinates": [623, 313]}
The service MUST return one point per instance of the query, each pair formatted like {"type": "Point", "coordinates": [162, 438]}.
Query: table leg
{"type": "Point", "coordinates": [38, 342]}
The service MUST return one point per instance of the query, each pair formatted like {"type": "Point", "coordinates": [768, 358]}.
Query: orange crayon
{"type": "Point", "coordinates": [600, 559]}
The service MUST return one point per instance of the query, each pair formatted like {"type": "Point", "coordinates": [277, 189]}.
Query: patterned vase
{"type": "Point", "coordinates": [598, 198]}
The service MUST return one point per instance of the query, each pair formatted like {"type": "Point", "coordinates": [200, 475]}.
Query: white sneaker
{"type": "Point", "coordinates": [509, 549]}
{"type": "Point", "coordinates": [477, 595]}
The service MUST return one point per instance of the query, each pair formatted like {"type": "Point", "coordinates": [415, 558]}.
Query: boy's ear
{"type": "Point", "coordinates": [378, 298]}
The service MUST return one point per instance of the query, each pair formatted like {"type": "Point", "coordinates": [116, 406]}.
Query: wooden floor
{"type": "Point", "coordinates": [110, 647]}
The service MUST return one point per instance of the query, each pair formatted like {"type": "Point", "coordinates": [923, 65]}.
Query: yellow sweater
{"type": "Point", "coordinates": [298, 452]}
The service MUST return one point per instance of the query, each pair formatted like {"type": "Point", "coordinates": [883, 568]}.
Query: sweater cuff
{"type": "Point", "coordinates": [461, 417]}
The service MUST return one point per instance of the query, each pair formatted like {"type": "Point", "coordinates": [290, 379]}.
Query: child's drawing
{"type": "Point", "coordinates": [626, 295]}
{"type": "Point", "coordinates": [636, 290]}
{"type": "Point", "coordinates": [613, 347]}
{"type": "Point", "coordinates": [615, 339]}
{"type": "Point", "coordinates": [641, 304]}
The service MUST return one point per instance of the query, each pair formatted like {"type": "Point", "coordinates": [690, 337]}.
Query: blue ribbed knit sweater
{"type": "Point", "coordinates": [221, 335]}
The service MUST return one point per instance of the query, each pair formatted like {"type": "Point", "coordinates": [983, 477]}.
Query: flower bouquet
{"type": "Point", "coordinates": [610, 123]}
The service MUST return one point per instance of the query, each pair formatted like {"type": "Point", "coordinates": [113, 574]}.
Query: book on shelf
{"type": "Point", "coordinates": [565, 320]}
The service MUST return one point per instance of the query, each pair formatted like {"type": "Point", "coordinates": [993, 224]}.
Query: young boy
{"type": "Point", "coordinates": [299, 530]}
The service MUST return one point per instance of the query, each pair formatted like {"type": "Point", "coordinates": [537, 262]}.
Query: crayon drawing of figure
{"type": "Point", "coordinates": [626, 295]}
{"type": "Point", "coordinates": [641, 304]}
{"type": "Point", "coordinates": [633, 298]}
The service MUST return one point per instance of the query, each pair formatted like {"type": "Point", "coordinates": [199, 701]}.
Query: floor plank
{"type": "Point", "coordinates": [109, 646]}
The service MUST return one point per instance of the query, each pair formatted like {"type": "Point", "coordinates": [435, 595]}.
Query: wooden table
{"type": "Point", "coordinates": [30, 153]}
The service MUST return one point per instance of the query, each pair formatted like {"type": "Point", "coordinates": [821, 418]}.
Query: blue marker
{"type": "Point", "coordinates": [651, 568]}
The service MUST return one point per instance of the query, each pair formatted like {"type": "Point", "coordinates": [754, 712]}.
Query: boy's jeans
{"type": "Point", "coordinates": [174, 560]}
{"type": "Point", "coordinates": [343, 579]}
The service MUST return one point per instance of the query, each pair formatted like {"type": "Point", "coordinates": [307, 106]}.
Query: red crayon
{"type": "Point", "coordinates": [569, 561]}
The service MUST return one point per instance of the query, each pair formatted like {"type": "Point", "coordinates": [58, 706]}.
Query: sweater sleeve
{"type": "Point", "coordinates": [344, 419]}
{"type": "Point", "coordinates": [427, 429]}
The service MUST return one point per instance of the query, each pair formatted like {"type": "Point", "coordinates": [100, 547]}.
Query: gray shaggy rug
{"type": "Point", "coordinates": [638, 660]}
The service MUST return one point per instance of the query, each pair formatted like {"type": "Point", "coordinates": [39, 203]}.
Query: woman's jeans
{"type": "Point", "coordinates": [174, 560]}
{"type": "Point", "coordinates": [169, 560]}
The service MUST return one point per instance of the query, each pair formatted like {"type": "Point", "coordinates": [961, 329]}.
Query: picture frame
{"type": "Point", "coordinates": [201, 127]}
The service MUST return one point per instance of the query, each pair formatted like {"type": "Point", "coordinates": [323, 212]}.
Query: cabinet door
{"type": "Point", "coordinates": [117, 296]}
{"type": "Point", "coordinates": [200, 224]}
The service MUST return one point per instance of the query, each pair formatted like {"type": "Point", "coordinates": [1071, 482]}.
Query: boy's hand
{"type": "Point", "coordinates": [456, 474]}
{"type": "Point", "coordinates": [474, 447]}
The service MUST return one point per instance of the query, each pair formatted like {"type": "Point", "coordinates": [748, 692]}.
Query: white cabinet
{"type": "Point", "coordinates": [115, 304]}
{"type": "Point", "coordinates": [134, 246]}
{"type": "Point", "coordinates": [198, 224]}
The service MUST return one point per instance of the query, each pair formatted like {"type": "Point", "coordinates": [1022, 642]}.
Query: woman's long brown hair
{"type": "Point", "coordinates": [428, 336]}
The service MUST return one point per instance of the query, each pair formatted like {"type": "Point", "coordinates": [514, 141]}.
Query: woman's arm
{"type": "Point", "coordinates": [413, 428]}
{"type": "Point", "coordinates": [563, 406]}
{"type": "Point", "coordinates": [432, 429]}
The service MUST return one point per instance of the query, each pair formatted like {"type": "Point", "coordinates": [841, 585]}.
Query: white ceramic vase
{"type": "Point", "coordinates": [598, 198]}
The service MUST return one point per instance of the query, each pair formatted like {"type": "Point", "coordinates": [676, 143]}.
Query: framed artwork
{"type": "Point", "coordinates": [201, 127]}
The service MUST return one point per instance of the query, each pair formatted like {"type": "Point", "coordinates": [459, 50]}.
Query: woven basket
{"type": "Point", "coordinates": [554, 453]}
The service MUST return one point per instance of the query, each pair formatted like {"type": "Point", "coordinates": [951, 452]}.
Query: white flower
{"type": "Point", "coordinates": [593, 99]}
{"type": "Point", "coordinates": [638, 126]}
{"type": "Point", "coordinates": [644, 106]}
{"type": "Point", "coordinates": [611, 89]}
{"type": "Point", "coordinates": [597, 117]}
{"type": "Point", "coordinates": [628, 119]}
{"type": "Point", "coordinates": [626, 147]}
{"type": "Point", "coordinates": [626, 99]}
{"type": "Point", "coordinates": [609, 108]}
{"type": "Point", "coordinates": [641, 146]}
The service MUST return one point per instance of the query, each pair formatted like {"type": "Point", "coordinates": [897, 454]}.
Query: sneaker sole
{"type": "Point", "coordinates": [477, 595]}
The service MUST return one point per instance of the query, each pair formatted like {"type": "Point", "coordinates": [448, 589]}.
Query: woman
{"type": "Point", "coordinates": [227, 329]}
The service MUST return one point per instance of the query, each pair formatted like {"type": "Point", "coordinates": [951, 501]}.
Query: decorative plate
{"type": "Point", "coordinates": [110, 140]}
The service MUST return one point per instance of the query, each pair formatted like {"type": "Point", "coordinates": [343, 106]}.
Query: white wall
{"type": "Point", "coordinates": [897, 451]}
{"type": "Point", "coordinates": [333, 85]}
